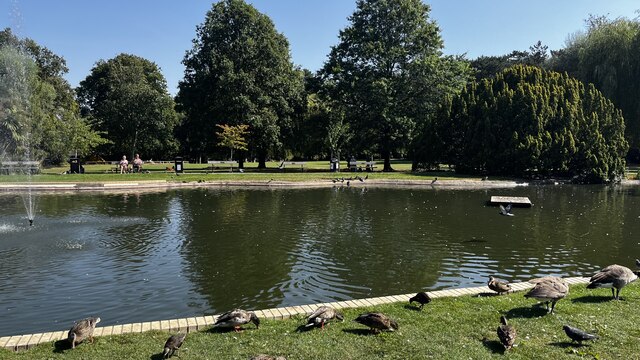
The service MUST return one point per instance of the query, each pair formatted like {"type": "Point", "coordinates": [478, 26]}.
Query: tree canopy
{"type": "Point", "coordinates": [126, 98]}
{"type": "Point", "coordinates": [529, 122]}
{"type": "Point", "coordinates": [239, 68]}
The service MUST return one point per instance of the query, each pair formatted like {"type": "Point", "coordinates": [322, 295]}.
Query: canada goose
{"type": "Point", "coordinates": [172, 345]}
{"type": "Point", "coordinates": [421, 298]}
{"type": "Point", "coordinates": [498, 286]}
{"type": "Point", "coordinates": [578, 335]}
{"type": "Point", "coordinates": [434, 181]}
{"type": "Point", "coordinates": [81, 330]}
{"type": "Point", "coordinates": [377, 322]}
{"type": "Point", "coordinates": [236, 318]}
{"type": "Point", "coordinates": [322, 315]}
{"type": "Point", "coordinates": [506, 211]}
{"type": "Point", "coordinates": [506, 333]}
{"type": "Point", "coordinates": [614, 276]}
{"type": "Point", "coordinates": [548, 289]}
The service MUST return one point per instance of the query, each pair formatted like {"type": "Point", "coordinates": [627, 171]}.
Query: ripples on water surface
{"type": "Point", "coordinates": [159, 255]}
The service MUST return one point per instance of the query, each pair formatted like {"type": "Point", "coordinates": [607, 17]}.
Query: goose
{"type": "Point", "coordinates": [613, 276]}
{"type": "Point", "coordinates": [421, 298]}
{"type": "Point", "coordinates": [322, 315]}
{"type": "Point", "coordinates": [81, 330]}
{"type": "Point", "coordinates": [506, 333]}
{"type": "Point", "coordinates": [172, 345]}
{"type": "Point", "coordinates": [236, 318]}
{"type": "Point", "coordinates": [434, 181]}
{"type": "Point", "coordinates": [548, 289]}
{"type": "Point", "coordinates": [377, 322]}
{"type": "Point", "coordinates": [578, 335]}
{"type": "Point", "coordinates": [267, 357]}
{"type": "Point", "coordinates": [498, 286]}
{"type": "Point", "coordinates": [638, 263]}
{"type": "Point", "coordinates": [506, 211]}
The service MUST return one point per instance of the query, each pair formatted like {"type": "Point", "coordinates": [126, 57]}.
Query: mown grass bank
{"type": "Point", "coordinates": [448, 328]}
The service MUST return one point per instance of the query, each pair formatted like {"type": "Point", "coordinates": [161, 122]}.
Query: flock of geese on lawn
{"type": "Point", "coordinates": [350, 179]}
{"type": "Point", "coordinates": [549, 290]}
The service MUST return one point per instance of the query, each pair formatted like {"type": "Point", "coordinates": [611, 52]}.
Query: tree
{"type": "Point", "coordinates": [488, 66]}
{"type": "Point", "coordinates": [126, 97]}
{"type": "Point", "coordinates": [388, 72]}
{"type": "Point", "coordinates": [239, 68]}
{"type": "Point", "coordinates": [233, 137]}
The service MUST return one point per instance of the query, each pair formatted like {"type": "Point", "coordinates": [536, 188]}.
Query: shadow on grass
{"type": "Point", "coordinates": [61, 345]}
{"type": "Point", "coordinates": [222, 330]}
{"type": "Point", "coordinates": [592, 299]}
{"type": "Point", "coordinates": [412, 307]}
{"type": "Point", "coordinates": [526, 312]}
{"type": "Point", "coordinates": [304, 328]}
{"type": "Point", "coordinates": [494, 346]}
{"type": "Point", "coordinates": [361, 332]}
{"type": "Point", "coordinates": [486, 294]}
{"type": "Point", "coordinates": [157, 357]}
{"type": "Point", "coordinates": [567, 344]}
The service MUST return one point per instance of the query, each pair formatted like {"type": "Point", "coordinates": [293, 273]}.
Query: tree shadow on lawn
{"type": "Point", "coordinates": [527, 312]}
{"type": "Point", "coordinates": [592, 299]}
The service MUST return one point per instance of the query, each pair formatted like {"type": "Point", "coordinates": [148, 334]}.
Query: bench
{"type": "Point", "coordinates": [362, 165]}
{"type": "Point", "coordinates": [213, 163]}
{"type": "Point", "coordinates": [20, 167]}
{"type": "Point", "coordinates": [301, 164]}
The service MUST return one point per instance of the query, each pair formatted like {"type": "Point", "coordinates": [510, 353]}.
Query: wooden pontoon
{"type": "Point", "coordinates": [516, 201]}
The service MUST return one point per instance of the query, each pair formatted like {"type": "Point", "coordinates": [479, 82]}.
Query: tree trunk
{"type": "Point", "coordinates": [241, 155]}
{"type": "Point", "coordinates": [387, 161]}
{"type": "Point", "coordinates": [262, 160]}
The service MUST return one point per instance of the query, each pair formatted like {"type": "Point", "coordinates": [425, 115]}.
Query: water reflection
{"type": "Point", "coordinates": [145, 256]}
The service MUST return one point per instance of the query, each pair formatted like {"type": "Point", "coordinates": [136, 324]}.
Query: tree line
{"type": "Point", "coordinates": [386, 91]}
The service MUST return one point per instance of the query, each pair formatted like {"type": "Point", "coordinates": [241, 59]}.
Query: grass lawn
{"type": "Point", "coordinates": [448, 328]}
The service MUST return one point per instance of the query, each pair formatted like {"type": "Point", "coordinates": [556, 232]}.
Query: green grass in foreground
{"type": "Point", "coordinates": [450, 328]}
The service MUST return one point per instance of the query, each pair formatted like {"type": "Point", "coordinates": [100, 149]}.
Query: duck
{"type": "Point", "coordinates": [267, 357]}
{"type": "Point", "coordinates": [322, 315]}
{"type": "Point", "coordinates": [506, 333]}
{"type": "Point", "coordinates": [613, 276]}
{"type": "Point", "coordinates": [506, 211]}
{"type": "Point", "coordinates": [377, 322]}
{"type": "Point", "coordinates": [549, 289]}
{"type": "Point", "coordinates": [236, 318]}
{"type": "Point", "coordinates": [421, 298]}
{"type": "Point", "coordinates": [172, 345]}
{"type": "Point", "coordinates": [498, 286]}
{"type": "Point", "coordinates": [81, 330]}
{"type": "Point", "coordinates": [578, 335]}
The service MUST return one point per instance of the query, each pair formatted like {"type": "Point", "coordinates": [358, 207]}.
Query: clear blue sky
{"type": "Point", "coordinates": [84, 31]}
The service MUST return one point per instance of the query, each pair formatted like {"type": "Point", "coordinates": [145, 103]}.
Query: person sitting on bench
{"type": "Point", "coordinates": [137, 164]}
{"type": "Point", "coordinates": [124, 165]}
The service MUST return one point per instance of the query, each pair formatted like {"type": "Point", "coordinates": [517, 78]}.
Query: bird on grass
{"type": "Point", "coordinates": [578, 335]}
{"type": "Point", "coordinates": [322, 315]}
{"type": "Point", "coordinates": [377, 322]}
{"type": "Point", "coordinates": [421, 298]}
{"type": "Point", "coordinates": [506, 333]}
{"type": "Point", "coordinates": [549, 289]}
{"type": "Point", "coordinates": [506, 211]}
{"type": "Point", "coordinates": [172, 345]}
{"type": "Point", "coordinates": [81, 330]}
{"type": "Point", "coordinates": [434, 181]}
{"type": "Point", "coordinates": [613, 276]}
{"type": "Point", "coordinates": [498, 286]}
{"type": "Point", "coordinates": [236, 318]}
{"type": "Point", "coordinates": [267, 357]}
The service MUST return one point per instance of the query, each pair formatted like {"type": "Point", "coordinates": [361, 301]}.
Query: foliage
{"type": "Point", "coordinates": [488, 66]}
{"type": "Point", "coordinates": [233, 137]}
{"type": "Point", "coordinates": [239, 68]}
{"type": "Point", "coordinates": [126, 97]}
{"type": "Point", "coordinates": [388, 72]}
{"type": "Point", "coordinates": [529, 121]}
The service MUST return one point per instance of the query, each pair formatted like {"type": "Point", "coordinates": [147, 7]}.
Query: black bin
{"type": "Point", "coordinates": [74, 165]}
{"type": "Point", "coordinates": [179, 164]}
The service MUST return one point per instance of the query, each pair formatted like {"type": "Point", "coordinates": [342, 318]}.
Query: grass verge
{"type": "Point", "coordinates": [448, 328]}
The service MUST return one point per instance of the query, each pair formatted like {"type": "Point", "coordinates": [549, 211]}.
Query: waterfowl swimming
{"type": "Point", "coordinates": [267, 357]}
{"type": "Point", "coordinates": [613, 276]}
{"type": "Point", "coordinates": [578, 335]}
{"type": "Point", "coordinates": [506, 211]}
{"type": "Point", "coordinates": [506, 333]}
{"type": "Point", "coordinates": [377, 322]}
{"type": "Point", "coordinates": [81, 330]}
{"type": "Point", "coordinates": [236, 318]}
{"type": "Point", "coordinates": [322, 315]}
{"type": "Point", "coordinates": [498, 286]}
{"type": "Point", "coordinates": [638, 263]}
{"type": "Point", "coordinates": [421, 298]}
{"type": "Point", "coordinates": [548, 289]}
{"type": "Point", "coordinates": [172, 345]}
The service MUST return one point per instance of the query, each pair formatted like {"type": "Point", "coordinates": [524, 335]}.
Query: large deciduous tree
{"type": "Point", "coordinates": [388, 73]}
{"type": "Point", "coordinates": [239, 68]}
{"type": "Point", "coordinates": [126, 97]}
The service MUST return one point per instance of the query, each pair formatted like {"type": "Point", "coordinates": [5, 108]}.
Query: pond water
{"type": "Point", "coordinates": [134, 257]}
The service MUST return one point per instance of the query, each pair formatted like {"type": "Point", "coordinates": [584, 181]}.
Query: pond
{"type": "Point", "coordinates": [133, 257]}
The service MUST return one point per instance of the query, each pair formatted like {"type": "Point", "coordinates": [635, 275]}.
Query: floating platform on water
{"type": "Point", "coordinates": [517, 201]}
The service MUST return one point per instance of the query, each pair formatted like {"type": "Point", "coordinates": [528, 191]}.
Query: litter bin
{"type": "Point", "coordinates": [74, 165]}
{"type": "Point", "coordinates": [334, 165]}
{"type": "Point", "coordinates": [179, 164]}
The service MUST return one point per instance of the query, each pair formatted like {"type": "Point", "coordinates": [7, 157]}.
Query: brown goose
{"type": "Point", "coordinates": [498, 286]}
{"type": "Point", "coordinates": [172, 345]}
{"type": "Point", "coordinates": [506, 333]}
{"type": "Point", "coordinates": [377, 322]}
{"type": "Point", "coordinates": [421, 298]}
{"type": "Point", "coordinates": [322, 315]}
{"type": "Point", "coordinates": [613, 276]}
{"type": "Point", "coordinates": [549, 289]}
{"type": "Point", "coordinates": [236, 318]}
{"type": "Point", "coordinates": [81, 330]}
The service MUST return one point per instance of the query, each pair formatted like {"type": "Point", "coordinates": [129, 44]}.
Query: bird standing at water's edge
{"type": "Point", "coordinates": [81, 330]}
{"type": "Point", "coordinates": [613, 276]}
{"type": "Point", "coordinates": [377, 322]}
{"type": "Point", "coordinates": [498, 286]}
{"type": "Point", "coordinates": [322, 315]}
{"type": "Point", "coordinates": [421, 298]}
{"type": "Point", "coordinates": [549, 289]}
{"type": "Point", "coordinates": [236, 318]}
{"type": "Point", "coordinates": [172, 345]}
